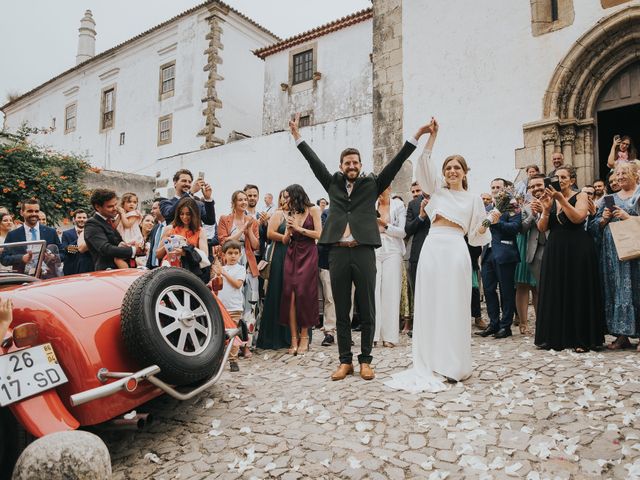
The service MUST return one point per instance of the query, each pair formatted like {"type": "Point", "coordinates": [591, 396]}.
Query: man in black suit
{"type": "Point", "coordinates": [23, 259]}
{"type": "Point", "coordinates": [100, 233]}
{"type": "Point", "coordinates": [156, 233]}
{"type": "Point", "coordinates": [76, 256]}
{"type": "Point", "coordinates": [185, 187]}
{"type": "Point", "coordinates": [417, 228]}
{"type": "Point", "coordinates": [353, 231]}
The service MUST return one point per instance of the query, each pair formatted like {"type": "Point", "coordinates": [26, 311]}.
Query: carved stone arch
{"type": "Point", "coordinates": [569, 104]}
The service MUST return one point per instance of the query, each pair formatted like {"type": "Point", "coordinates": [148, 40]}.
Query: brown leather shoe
{"type": "Point", "coordinates": [343, 370]}
{"type": "Point", "coordinates": [366, 372]}
{"type": "Point", "coordinates": [481, 324]}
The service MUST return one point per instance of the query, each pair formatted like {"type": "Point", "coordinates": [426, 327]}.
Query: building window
{"type": "Point", "coordinates": [108, 108]}
{"type": "Point", "coordinates": [70, 118]}
{"type": "Point", "coordinates": [305, 121]}
{"type": "Point", "coordinates": [554, 10]}
{"type": "Point", "coordinates": [121, 138]}
{"type": "Point", "coordinates": [167, 80]}
{"type": "Point", "coordinates": [303, 67]}
{"type": "Point", "coordinates": [551, 15]}
{"type": "Point", "coordinates": [165, 128]}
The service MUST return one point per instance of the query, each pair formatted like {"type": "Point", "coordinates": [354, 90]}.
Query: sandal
{"type": "Point", "coordinates": [388, 344]}
{"type": "Point", "coordinates": [293, 349]}
{"type": "Point", "coordinates": [303, 347]}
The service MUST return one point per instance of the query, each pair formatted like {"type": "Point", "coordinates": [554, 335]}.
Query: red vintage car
{"type": "Point", "coordinates": [88, 348]}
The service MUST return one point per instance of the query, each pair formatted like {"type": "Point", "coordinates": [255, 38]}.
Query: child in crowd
{"type": "Point", "coordinates": [6, 316]}
{"type": "Point", "coordinates": [128, 225]}
{"type": "Point", "coordinates": [233, 276]}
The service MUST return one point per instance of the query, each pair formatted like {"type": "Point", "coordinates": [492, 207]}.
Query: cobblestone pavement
{"type": "Point", "coordinates": [525, 413]}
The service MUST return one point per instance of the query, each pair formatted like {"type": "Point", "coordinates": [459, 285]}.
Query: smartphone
{"type": "Point", "coordinates": [616, 138]}
{"type": "Point", "coordinates": [200, 175]}
{"type": "Point", "coordinates": [552, 182]}
{"type": "Point", "coordinates": [609, 202]}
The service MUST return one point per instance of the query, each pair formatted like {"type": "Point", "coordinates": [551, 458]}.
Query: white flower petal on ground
{"type": "Point", "coordinates": [235, 395]}
{"type": "Point", "coordinates": [512, 470]}
{"type": "Point", "coordinates": [250, 409]}
{"type": "Point", "coordinates": [277, 408]}
{"type": "Point", "coordinates": [354, 463]}
{"type": "Point", "coordinates": [439, 475]}
{"type": "Point", "coordinates": [363, 426]}
{"type": "Point", "coordinates": [366, 439]}
{"type": "Point", "coordinates": [152, 457]}
{"type": "Point", "coordinates": [208, 403]}
{"type": "Point", "coordinates": [554, 406]}
{"type": "Point", "coordinates": [325, 463]}
{"type": "Point", "coordinates": [428, 464]}
{"type": "Point", "coordinates": [215, 433]}
{"type": "Point", "coordinates": [215, 424]}
{"type": "Point", "coordinates": [533, 476]}
{"type": "Point", "coordinates": [634, 469]}
{"type": "Point", "coordinates": [323, 417]}
{"type": "Point", "coordinates": [474, 462]}
{"type": "Point", "coordinates": [464, 449]}
{"type": "Point", "coordinates": [245, 430]}
{"type": "Point", "coordinates": [269, 466]}
{"type": "Point", "coordinates": [612, 427]}
{"type": "Point", "coordinates": [475, 434]}
{"type": "Point", "coordinates": [526, 429]}
{"type": "Point", "coordinates": [497, 463]}
{"type": "Point", "coordinates": [525, 354]}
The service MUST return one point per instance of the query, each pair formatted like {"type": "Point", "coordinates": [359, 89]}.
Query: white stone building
{"type": "Point", "coordinates": [187, 83]}
{"type": "Point", "coordinates": [513, 81]}
{"type": "Point", "coordinates": [510, 81]}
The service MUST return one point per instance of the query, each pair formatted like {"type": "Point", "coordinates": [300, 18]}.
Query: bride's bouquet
{"type": "Point", "coordinates": [504, 203]}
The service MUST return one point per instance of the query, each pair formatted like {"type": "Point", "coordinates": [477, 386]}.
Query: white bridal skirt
{"type": "Point", "coordinates": [442, 315]}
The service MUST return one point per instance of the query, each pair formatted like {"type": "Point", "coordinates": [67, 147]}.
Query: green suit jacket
{"type": "Point", "coordinates": [359, 209]}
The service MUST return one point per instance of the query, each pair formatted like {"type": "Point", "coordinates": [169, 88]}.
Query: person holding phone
{"type": "Point", "coordinates": [570, 312]}
{"type": "Point", "coordinates": [621, 279]}
{"type": "Point", "coordinates": [622, 150]}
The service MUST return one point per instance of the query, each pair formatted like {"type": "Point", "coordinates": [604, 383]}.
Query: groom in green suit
{"type": "Point", "coordinates": [353, 229]}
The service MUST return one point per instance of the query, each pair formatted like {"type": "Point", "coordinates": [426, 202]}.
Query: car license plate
{"type": "Point", "coordinates": [27, 372]}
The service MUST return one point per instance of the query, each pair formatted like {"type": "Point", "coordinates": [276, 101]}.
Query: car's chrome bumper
{"type": "Point", "coordinates": [129, 381]}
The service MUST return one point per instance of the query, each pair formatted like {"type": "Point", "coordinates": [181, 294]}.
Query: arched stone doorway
{"type": "Point", "coordinates": [576, 93]}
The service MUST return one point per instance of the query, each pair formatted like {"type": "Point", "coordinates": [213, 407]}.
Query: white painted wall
{"type": "Point", "coordinates": [344, 90]}
{"type": "Point", "coordinates": [137, 105]}
{"type": "Point", "coordinates": [273, 162]}
{"type": "Point", "coordinates": [481, 72]}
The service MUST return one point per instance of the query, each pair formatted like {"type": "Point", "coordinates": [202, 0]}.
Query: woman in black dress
{"type": "Point", "coordinates": [570, 309]}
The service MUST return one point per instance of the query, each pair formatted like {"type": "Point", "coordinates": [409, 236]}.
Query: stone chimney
{"type": "Point", "coordinates": [86, 38]}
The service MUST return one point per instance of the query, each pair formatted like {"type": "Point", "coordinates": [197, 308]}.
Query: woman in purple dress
{"type": "Point", "coordinates": [299, 304]}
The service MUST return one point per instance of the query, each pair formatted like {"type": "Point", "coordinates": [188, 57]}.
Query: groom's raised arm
{"type": "Point", "coordinates": [317, 167]}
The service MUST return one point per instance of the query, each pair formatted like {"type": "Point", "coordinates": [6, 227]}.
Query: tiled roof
{"type": "Point", "coordinates": [133, 39]}
{"type": "Point", "coordinates": [339, 24]}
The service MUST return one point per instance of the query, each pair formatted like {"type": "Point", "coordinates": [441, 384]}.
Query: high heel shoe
{"type": "Point", "coordinates": [303, 347]}
{"type": "Point", "coordinates": [293, 349]}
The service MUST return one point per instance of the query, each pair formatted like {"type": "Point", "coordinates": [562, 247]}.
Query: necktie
{"type": "Point", "coordinates": [156, 243]}
{"type": "Point", "coordinates": [34, 236]}
{"type": "Point", "coordinates": [349, 188]}
{"type": "Point", "coordinates": [111, 223]}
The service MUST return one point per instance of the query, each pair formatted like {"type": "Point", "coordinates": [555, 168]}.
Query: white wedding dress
{"type": "Point", "coordinates": [442, 299]}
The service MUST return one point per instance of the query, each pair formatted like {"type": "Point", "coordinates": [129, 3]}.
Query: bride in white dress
{"type": "Point", "coordinates": [441, 325]}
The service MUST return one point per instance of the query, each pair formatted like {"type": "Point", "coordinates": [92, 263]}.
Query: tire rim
{"type": "Point", "coordinates": [183, 320]}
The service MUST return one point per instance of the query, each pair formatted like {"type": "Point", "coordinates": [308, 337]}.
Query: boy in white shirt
{"type": "Point", "coordinates": [233, 276]}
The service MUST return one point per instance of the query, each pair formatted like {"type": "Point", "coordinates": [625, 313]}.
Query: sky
{"type": "Point", "coordinates": [37, 47]}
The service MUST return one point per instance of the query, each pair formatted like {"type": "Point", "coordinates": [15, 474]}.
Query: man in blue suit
{"type": "Point", "coordinates": [31, 229]}
{"type": "Point", "coordinates": [499, 261]}
{"type": "Point", "coordinates": [76, 257]}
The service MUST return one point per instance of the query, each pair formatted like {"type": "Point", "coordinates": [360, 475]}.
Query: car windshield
{"type": "Point", "coordinates": [34, 258]}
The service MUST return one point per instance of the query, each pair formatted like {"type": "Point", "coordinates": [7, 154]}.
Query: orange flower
{"type": "Point", "coordinates": [6, 190]}
{"type": "Point", "coordinates": [21, 184]}
{"type": "Point", "coordinates": [62, 177]}
{"type": "Point", "coordinates": [51, 188]}
{"type": "Point", "coordinates": [67, 200]}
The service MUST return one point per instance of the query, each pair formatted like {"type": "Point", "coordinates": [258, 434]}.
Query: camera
{"type": "Point", "coordinates": [553, 182]}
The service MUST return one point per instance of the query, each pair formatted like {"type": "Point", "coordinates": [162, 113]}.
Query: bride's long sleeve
{"type": "Point", "coordinates": [426, 173]}
{"type": "Point", "coordinates": [479, 214]}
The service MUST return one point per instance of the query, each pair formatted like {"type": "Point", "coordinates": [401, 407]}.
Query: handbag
{"type": "Point", "coordinates": [626, 237]}
{"type": "Point", "coordinates": [264, 267]}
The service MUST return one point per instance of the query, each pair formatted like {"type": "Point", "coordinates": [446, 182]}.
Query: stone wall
{"type": "Point", "coordinates": [387, 88]}
{"type": "Point", "coordinates": [122, 182]}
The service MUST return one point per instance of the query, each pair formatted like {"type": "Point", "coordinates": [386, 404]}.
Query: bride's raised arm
{"type": "Point", "coordinates": [425, 172]}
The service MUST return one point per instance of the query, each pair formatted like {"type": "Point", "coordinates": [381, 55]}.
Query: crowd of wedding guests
{"type": "Point", "coordinates": [552, 247]}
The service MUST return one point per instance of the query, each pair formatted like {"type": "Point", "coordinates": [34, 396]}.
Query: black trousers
{"type": "Point", "coordinates": [355, 266]}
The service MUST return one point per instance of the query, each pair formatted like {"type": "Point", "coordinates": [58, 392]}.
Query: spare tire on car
{"type": "Point", "coordinates": [170, 318]}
